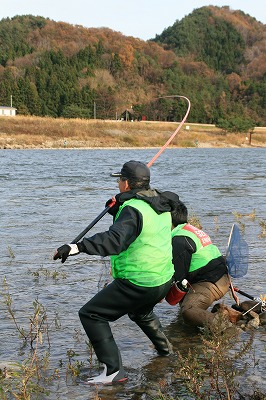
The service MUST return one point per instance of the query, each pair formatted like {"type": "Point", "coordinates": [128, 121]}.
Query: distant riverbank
{"type": "Point", "coordinates": [22, 132]}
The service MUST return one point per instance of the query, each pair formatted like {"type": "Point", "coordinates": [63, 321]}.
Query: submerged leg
{"type": "Point", "coordinates": [152, 327]}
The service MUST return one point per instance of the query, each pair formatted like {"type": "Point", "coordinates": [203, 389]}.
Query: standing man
{"type": "Point", "coordinates": [200, 262]}
{"type": "Point", "coordinates": [139, 243]}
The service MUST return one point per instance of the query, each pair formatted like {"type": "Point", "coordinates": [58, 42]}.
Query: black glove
{"type": "Point", "coordinates": [66, 250]}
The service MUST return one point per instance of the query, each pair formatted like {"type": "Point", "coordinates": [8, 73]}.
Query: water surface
{"type": "Point", "coordinates": [50, 196]}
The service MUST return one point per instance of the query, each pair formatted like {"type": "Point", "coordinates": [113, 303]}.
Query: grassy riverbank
{"type": "Point", "coordinates": [22, 132]}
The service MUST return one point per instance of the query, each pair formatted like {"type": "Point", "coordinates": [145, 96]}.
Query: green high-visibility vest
{"type": "Point", "coordinates": [148, 260]}
{"type": "Point", "coordinates": [205, 250]}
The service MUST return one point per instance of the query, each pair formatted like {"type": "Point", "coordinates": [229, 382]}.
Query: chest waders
{"type": "Point", "coordinates": [159, 225]}
{"type": "Point", "coordinates": [124, 297]}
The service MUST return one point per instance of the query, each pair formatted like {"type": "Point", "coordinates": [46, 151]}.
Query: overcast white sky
{"type": "Point", "coordinates": [138, 18]}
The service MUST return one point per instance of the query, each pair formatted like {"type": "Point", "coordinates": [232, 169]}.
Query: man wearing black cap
{"type": "Point", "coordinates": [139, 243]}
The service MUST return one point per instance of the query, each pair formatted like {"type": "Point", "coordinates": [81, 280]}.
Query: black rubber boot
{"type": "Point", "coordinates": [108, 353]}
{"type": "Point", "coordinates": [103, 343]}
{"type": "Point", "coordinates": [152, 327]}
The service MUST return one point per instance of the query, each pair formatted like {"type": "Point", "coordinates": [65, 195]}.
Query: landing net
{"type": "Point", "coordinates": [237, 254]}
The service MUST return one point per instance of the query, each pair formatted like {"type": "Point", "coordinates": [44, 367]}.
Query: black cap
{"type": "Point", "coordinates": [134, 170]}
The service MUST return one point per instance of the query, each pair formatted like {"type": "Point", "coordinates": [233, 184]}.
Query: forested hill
{"type": "Point", "coordinates": [214, 56]}
{"type": "Point", "coordinates": [227, 41]}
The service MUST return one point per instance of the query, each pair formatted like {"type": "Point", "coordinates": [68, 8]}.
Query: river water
{"type": "Point", "coordinates": [49, 196]}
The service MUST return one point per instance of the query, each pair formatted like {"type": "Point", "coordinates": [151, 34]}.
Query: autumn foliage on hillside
{"type": "Point", "coordinates": [214, 56]}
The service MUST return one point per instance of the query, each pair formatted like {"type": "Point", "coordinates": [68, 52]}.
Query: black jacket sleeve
{"type": "Point", "coordinates": [183, 248]}
{"type": "Point", "coordinates": [120, 235]}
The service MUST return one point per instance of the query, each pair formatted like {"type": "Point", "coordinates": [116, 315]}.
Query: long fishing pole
{"type": "Point", "coordinates": [105, 211]}
{"type": "Point", "coordinates": [175, 132]}
{"type": "Point", "coordinates": [94, 222]}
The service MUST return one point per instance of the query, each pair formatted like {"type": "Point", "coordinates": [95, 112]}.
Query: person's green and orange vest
{"type": "Point", "coordinates": [205, 250]}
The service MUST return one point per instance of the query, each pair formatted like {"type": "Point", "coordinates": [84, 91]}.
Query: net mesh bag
{"type": "Point", "coordinates": [237, 254]}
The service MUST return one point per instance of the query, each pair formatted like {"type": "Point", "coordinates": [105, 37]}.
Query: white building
{"type": "Point", "coordinates": [7, 111]}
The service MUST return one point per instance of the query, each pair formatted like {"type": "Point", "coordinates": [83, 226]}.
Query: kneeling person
{"type": "Point", "coordinates": [200, 262]}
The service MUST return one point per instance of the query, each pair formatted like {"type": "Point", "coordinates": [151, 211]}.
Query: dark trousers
{"type": "Point", "coordinates": [117, 299]}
